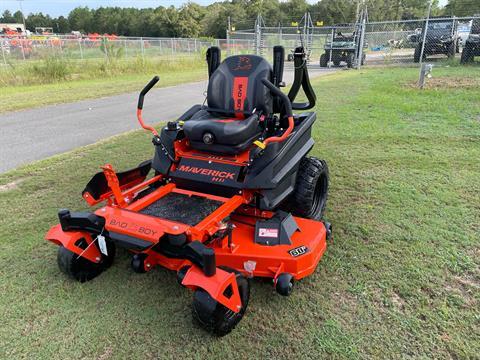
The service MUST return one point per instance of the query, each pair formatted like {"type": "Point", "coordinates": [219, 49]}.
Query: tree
{"type": "Point", "coordinates": [39, 20]}
{"type": "Point", "coordinates": [293, 10]}
{"type": "Point", "coordinates": [193, 20]}
{"type": "Point", "coordinates": [462, 7]}
{"type": "Point", "coordinates": [215, 20]}
{"type": "Point", "coordinates": [18, 17]}
{"type": "Point", "coordinates": [7, 17]}
{"type": "Point", "coordinates": [63, 26]}
{"type": "Point", "coordinates": [334, 11]}
{"type": "Point", "coordinates": [189, 17]}
{"type": "Point", "coordinates": [81, 19]}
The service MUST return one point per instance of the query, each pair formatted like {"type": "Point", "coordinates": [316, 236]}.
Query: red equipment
{"type": "Point", "coordinates": [218, 208]}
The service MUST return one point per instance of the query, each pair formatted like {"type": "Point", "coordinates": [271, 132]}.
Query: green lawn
{"type": "Point", "coordinates": [28, 91]}
{"type": "Point", "coordinates": [400, 280]}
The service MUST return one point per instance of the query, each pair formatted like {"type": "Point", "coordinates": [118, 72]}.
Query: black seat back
{"type": "Point", "coordinates": [236, 85]}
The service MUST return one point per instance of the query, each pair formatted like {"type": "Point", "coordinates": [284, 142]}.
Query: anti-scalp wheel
{"type": "Point", "coordinates": [138, 263]}
{"type": "Point", "coordinates": [284, 284]}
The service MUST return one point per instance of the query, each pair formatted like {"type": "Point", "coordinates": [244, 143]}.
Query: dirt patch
{"type": "Point", "coordinates": [465, 287]}
{"type": "Point", "coordinates": [11, 185]}
{"type": "Point", "coordinates": [398, 301]}
{"type": "Point", "coordinates": [449, 82]}
{"type": "Point", "coordinates": [468, 282]}
{"type": "Point", "coordinates": [106, 354]}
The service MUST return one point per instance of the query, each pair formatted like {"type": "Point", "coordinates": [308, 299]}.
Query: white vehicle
{"type": "Point", "coordinates": [463, 31]}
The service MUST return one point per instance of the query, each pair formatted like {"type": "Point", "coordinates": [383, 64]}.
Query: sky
{"type": "Point", "coordinates": [63, 7]}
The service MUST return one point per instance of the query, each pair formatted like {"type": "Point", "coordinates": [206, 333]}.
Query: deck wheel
{"type": "Point", "coordinates": [284, 284]}
{"type": "Point", "coordinates": [328, 228]}
{"type": "Point", "coordinates": [138, 263]}
{"type": "Point", "coordinates": [181, 273]}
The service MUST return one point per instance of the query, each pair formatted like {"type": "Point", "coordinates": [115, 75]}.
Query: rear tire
{"type": "Point", "coordinates": [336, 58]}
{"type": "Point", "coordinates": [213, 316]}
{"type": "Point", "coordinates": [418, 51]}
{"type": "Point", "coordinates": [309, 197]}
{"type": "Point", "coordinates": [451, 50]}
{"type": "Point", "coordinates": [466, 56]}
{"type": "Point", "coordinates": [323, 60]}
{"type": "Point", "coordinates": [350, 60]}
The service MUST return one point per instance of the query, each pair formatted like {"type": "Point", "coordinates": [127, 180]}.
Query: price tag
{"type": "Point", "coordinates": [102, 245]}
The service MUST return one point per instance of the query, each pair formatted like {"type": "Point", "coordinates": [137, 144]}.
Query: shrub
{"type": "Point", "coordinates": [52, 68]}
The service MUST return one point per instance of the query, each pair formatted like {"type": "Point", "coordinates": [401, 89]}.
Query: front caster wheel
{"type": "Point", "coordinates": [181, 273]}
{"type": "Point", "coordinates": [213, 316]}
{"type": "Point", "coordinates": [284, 284]}
{"type": "Point", "coordinates": [80, 268]}
{"type": "Point", "coordinates": [328, 228]}
{"type": "Point", "coordinates": [138, 263]}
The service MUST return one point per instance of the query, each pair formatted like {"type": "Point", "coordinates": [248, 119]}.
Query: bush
{"type": "Point", "coordinates": [51, 69]}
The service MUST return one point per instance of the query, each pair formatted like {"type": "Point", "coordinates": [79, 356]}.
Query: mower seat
{"type": "Point", "coordinates": [236, 99]}
{"type": "Point", "coordinates": [206, 129]}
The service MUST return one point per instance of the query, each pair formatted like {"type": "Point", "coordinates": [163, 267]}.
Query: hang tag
{"type": "Point", "coordinates": [102, 244]}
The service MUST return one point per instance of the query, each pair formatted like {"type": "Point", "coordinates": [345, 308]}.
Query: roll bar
{"type": "Point", "coordinates": [301, 79]}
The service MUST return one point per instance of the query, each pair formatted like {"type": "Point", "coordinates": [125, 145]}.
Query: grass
{"type": "Point", "coordinates": [55, 80]}
{"type": "Point", "coordinates": [400, 280]}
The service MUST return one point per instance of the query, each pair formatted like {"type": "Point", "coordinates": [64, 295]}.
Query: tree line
{"type": "Point", "coordinates": [193, 20]}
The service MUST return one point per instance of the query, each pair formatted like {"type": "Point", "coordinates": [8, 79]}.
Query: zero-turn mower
{"type": "Point", "coordinates": [230, 194]}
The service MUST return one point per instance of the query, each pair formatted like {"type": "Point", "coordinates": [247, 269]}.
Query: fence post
{"type": "Point", "coordinates": [2, 44]}
{"type": "Point", "coordinates": [171, 40]}
{"type": "Point", "coordinates": [160, 46]}
{"type": "Point", "coordinates": [125, 47]}
{"type": "Point", "coordinates": [105, 49]}
{"type": "Point", "coordinates": [195, 44]}
{"type": "Point", "coordinates": [329, 64]}
{"type": "Point", "coordinates": [421, 78]}
{"type": "Point", "coordinates": [142, 47]}
{"type": "Point", "coordinates": [23, 50]}
{"type": "Point", "coordinates": [80, 47]}
{"type": "Point", "coordinates": [360, 48]}
{"type": "Point", "coordinates": [279, 34]}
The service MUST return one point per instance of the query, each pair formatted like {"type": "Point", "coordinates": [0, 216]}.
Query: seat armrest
{"type": "Point", "coordinates": [190, 112]}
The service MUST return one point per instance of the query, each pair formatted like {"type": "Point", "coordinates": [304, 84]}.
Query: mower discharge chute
{"type": "Point", "coordinates": [230, 194]}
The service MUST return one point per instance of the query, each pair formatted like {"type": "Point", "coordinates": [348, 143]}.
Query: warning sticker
{"type": "Point", "coordinates": [265, 232]}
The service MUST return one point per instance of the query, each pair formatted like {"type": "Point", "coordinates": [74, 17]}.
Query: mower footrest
{"type": "Point", "coordinates": [129, 242]}
{"type": "Point", "coordinates": [85, 221]}
{"type": "Point", "coordinates": [195, 251]}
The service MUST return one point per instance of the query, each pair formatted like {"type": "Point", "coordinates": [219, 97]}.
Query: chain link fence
{"type": "Point", "coordinates": [413, 41]}
{"type": "Point", "coordinates": [21, 48]}
{"type": "Point", "coordinates": [438, 41]}
{"type": "Point", "coordinates": [386, 43]}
